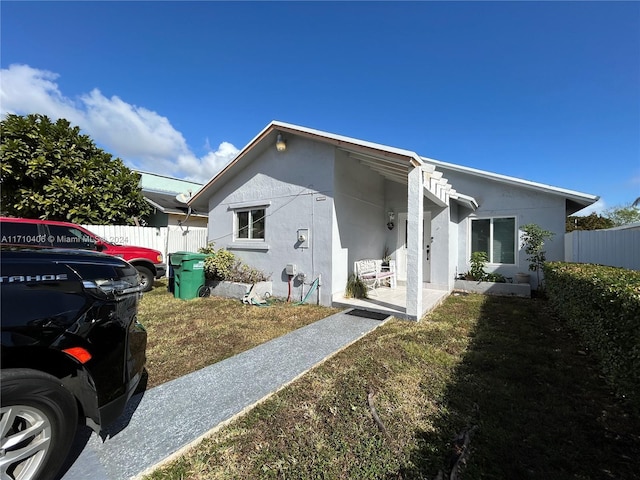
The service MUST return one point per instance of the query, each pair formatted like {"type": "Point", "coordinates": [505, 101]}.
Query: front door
{"type": "Point", "coordinates": [401, 252]}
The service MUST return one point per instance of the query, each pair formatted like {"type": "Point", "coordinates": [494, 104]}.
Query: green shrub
{"type": "Point", "coordinates": [495, 277]}
{"type": "Point", "coordinates": [208, 249]}
{"type": "Point", "coordinates": [223, 265]}
{"type": "Point", "coordinates": [218, 265]}
{"type": "Point", "coordinates": [239, 272]}
{"type": "Point", "coordinates": [478, 261]}
{"type": "Point", "coordinates": [603, 305]}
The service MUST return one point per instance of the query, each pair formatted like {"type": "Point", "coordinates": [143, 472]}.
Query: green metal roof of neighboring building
{"type": "Point", "coordinates": [154, 182]}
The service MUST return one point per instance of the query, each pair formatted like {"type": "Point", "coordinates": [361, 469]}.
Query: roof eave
{"type": "Point", "coordinates": [584, 199]}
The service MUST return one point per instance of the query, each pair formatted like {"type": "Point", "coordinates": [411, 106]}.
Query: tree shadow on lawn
{"type": "Point", "coordinates": [534, 402]}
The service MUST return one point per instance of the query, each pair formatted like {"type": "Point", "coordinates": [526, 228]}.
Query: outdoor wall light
{"type": "Point", "coordinates": [281, 145]}
{"type": "Point", "coordinates": [390, 223]}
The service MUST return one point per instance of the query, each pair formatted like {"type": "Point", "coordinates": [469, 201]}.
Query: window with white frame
{"type": "Point", "coordinates": [250, 224]}
{"type": "Point", "coordinates": [497, 237]}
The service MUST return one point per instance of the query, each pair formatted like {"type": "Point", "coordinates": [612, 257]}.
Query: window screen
{"type": "Point", "coordinates": [496, 237]}
{"type": "Point", "coordinates": [250, 224]}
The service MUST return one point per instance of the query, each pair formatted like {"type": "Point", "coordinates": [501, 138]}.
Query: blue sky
{"type": "Point", "coordinates": [545, 91]}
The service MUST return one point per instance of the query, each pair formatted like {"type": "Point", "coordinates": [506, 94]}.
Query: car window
{"type": "Point", "coordinates": [14, 233]}
{"type": "Point", "coordinates": [69, 237]}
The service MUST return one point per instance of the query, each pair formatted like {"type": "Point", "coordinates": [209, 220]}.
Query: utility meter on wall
{"type": "Point", "coordinates": [303, 238]}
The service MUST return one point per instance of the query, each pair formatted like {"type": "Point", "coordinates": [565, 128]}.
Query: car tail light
{"type": "Point", "coordinates": [159, 258]}
{"type": "Point", "coordinates": [78, 353]}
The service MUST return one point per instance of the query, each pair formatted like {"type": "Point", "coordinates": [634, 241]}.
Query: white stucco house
{"type": "Point", "coordinates": [322, 201]}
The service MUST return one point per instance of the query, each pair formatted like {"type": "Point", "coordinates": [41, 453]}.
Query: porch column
{"type": "Point", "coordinates": [415, 214]}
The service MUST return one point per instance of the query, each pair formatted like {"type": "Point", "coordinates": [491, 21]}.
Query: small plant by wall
{"type": "Point", "coordinates": [223, 265]}
{"type": "Point", "coordinates": [356, 288]}
{"type": "Point", "coordinates": [478, 261]}
{"type": "Point", "coordinates": [477, 272]}
{"type": "Point", "coordinates": [533, 239]}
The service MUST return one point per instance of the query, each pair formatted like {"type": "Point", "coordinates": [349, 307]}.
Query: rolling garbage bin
{"type": "Point", "coordinates": [188, 271]}
{"type": "Point", "coordinates": [170, 286]}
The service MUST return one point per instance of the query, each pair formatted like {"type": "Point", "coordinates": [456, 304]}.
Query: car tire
{"type": "Point", "coordinates": [146, 278]}
{"type": "Point", "coordinates": [38, 421]}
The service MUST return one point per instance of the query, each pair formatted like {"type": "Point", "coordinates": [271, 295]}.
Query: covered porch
{"type": "Point", "coordinates": [392, 301]}
{"type": "Point", "coordinates": [394, 202]}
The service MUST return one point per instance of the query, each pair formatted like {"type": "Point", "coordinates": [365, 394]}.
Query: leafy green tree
{"type": "Point", "coordinates": [533, 239]}
{"type": "Point", "coordinates": [622, 215]}
{"type": "Point", "coordinates": [50, 171]}
{"type": "Point", "coordinates": [589, 222]}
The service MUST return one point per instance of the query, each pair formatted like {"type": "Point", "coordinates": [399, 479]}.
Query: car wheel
{"type": "Point", "coordinates": [38, 420]}
{"type": "Point", "coordinates": [146, 278]}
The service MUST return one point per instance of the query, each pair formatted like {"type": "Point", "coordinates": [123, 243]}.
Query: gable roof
{"type": "Point", "coordinates": [391, 162]}
{"type": "Point", "coordinates": [395, 162]}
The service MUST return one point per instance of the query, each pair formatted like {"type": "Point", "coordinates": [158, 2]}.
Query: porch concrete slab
{"type": "Point", "coordinates": [163, 421]}
{"type": "Point", "coordinates": [392, 301]}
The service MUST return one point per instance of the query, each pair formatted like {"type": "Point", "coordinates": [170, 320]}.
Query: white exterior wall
{"type": "Point", "coordinates": [395, 201]}
{"type": "Point", "coordinates": [503, 200]}
{"type": "Point", "coordinates": [359, 221]}
{"type": "Point", "coordinates": [297, 185]}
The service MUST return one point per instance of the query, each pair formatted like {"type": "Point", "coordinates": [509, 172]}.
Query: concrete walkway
{"type": "Point", "coordinates": [172, 416]}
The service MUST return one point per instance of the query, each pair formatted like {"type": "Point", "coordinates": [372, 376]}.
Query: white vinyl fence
{"type": "Point", "coordinates": [613, 247]}
{"type": "Point", "coordinates": [165, 239]}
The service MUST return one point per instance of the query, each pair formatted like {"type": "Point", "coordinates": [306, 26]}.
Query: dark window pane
{"type": "Point", "coordinates": [243, 224]}
{"type": "Point", "coordinates": [19, 233]}
{"type": "Point", "coordinates": [257, 230]}
{"type": "Point", "coordinates": [480, 234]}
{"type": "Point", "coordinates": [504, 241]}
{"type": "Point", "coordinates": [68, 237]}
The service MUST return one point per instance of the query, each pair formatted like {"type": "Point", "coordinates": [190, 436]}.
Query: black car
{"type": "Point", "coordinates": [72, 351]}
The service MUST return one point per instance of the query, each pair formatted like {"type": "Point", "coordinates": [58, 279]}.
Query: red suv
{"type": "Point", "coordinates": [48, 233]}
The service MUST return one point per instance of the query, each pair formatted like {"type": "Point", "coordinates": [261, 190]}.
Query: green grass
{"type": "Point", "coordinates": [186, 335]}
{"type": "Point", "coordinates": [504, 367]}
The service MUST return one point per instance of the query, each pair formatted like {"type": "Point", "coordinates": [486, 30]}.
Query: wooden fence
{"type": "Point", "coordinates": [613, 247]}
{"type": "Point", "coordinates": [165, 239]}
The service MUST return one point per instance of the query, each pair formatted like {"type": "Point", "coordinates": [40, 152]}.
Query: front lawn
{"type": "Point", "coordinates": [501, 373]}
{"type": "Point", "coordinates": [187, 335]}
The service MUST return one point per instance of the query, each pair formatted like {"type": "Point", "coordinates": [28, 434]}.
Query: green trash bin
{"type": "Point", "coordinates": [188, 271]}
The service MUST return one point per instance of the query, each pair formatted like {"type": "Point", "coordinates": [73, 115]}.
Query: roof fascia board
{"type": "Point", "coordinates": [578, 196]}
{"type": "Point", "coordinates": [465, 200]}
{"type": "Point", "coordinates": [182, 214]}
{"type": "Point", "coordinates": [375, 149]}
{"type": "Point", "coordinates": [154, 204]}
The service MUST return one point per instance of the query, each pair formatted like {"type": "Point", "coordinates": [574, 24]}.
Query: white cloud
{"type": "Point", "coordinates": [141, 137]}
